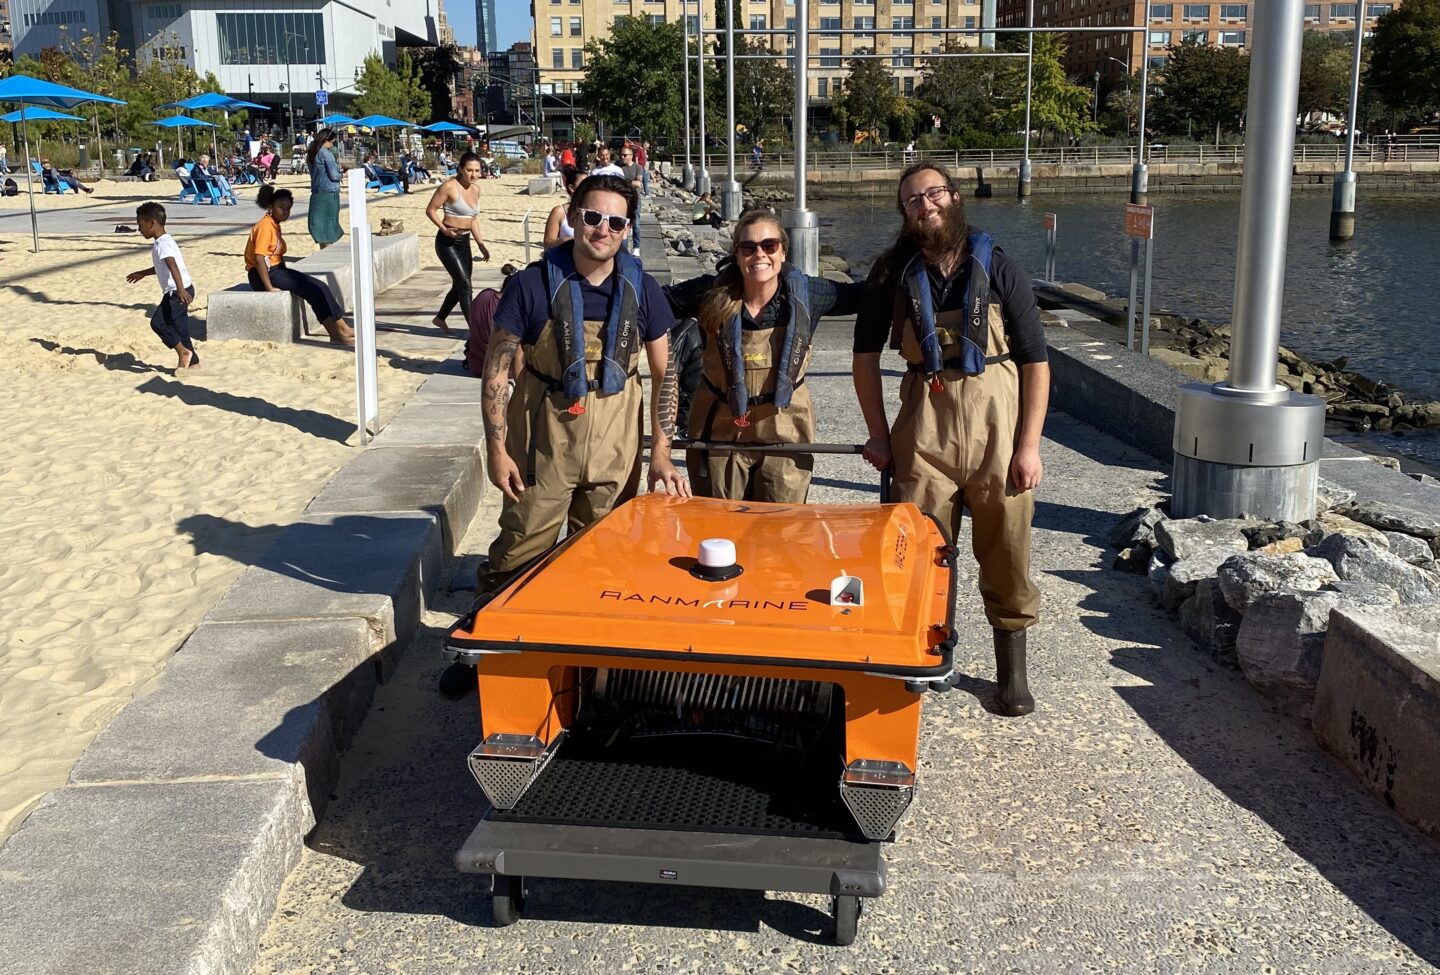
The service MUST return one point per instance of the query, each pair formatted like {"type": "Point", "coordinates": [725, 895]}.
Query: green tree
{"type": "Point", "coordinates": [1056, 105]}
{"type": "Point", "coordinates": [438, 68]}
{"type": "Point", "coordinates": [764, 91]}
{"type": "Point", "coordinates": [1404, 67]}
{"type": "Point", "coordinates": [1324, 73]}
{"type": "Point", "coordinates": [1205, 84]}
{"type": "Point", "coordinates": [397, 92]}
{"type": "Point", "coordinates": [867, 99]}
{"type": "Point", "coordinates": [965, 92]}
{"type": "Point", "coordinates": [632, 78]}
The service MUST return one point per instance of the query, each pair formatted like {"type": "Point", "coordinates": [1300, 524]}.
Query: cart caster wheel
{"type": "Point", "coordinates": [507, 899]}
{"type": "Point", "coordinates": [846, 909]}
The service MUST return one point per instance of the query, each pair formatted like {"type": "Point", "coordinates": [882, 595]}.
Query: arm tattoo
{"type": "Point", "coordinates": [503, 347]}
{"type": "Point", "coordinates": [667, 404]}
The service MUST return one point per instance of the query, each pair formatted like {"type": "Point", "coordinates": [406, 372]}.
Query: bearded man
{"type": "Point", "coordinates": [972, 401]}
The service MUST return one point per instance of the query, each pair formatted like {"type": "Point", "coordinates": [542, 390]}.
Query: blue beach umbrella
{"type": "Point", "coordinates": [382, 122]}
{"type": "Point", "coordinates": [445, 127]}
{"type": "Point", "coordinates": [28, 91]}
{"type": "Point", "coordinates": [38, 115]}
{"type": "Point", "coordinates": [213, 100]}
{"type": "Point", "coordinates": [178, 122]}
{"type": "Point", "coordinates": [336, 119]}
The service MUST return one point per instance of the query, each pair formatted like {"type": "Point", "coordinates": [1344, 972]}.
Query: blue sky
{"type": "Point", "coordinates": [513, 15]}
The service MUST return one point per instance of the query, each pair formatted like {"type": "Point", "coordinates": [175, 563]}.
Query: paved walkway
{"type": "Point", "coordinates": [1154, 815]}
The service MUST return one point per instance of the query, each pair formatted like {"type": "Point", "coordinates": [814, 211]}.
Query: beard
{"type": "Point", "coordinates": [948, 235]}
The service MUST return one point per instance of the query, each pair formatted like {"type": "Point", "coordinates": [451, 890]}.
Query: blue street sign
{"type": "Point", "coordinates": [322, 98]}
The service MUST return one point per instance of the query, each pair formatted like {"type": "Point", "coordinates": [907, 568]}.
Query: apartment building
{"type": "Point", "coordinates": [564, 27]}
{"type": "Point", "coordinates": [5, 41]}
{"type": "Point", "coordinates": [1114, 56]}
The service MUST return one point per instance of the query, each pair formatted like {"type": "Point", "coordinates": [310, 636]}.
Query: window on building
{"type": "Point", "coordinates": [694, 24]}
{"type": "Point", "coordinates": [1373, 10]}
{"type": "Point", "coordinates": [902, 23]}
{"type": "Point", "coordinates": [557, 26]}
{"type": "Point", "coordinates": [829, 57]}
{"type": "Point", "coordinates": [900, 57]}
{"type": "Point", "coordinates": [757, 22]}
{"type": "Point", "coordinates": [1162, 11]}
{"type": "Point", "coordinates": [970, 23]}
{"type": "Point", "coordinates": [909, 84]}
{"type": "Point", "coordinates": [1157, 62]}
{"type": "Point", "coordinates": [1232, 38]}
{"type": "Point", "coordinates": [1342, 11]}
{"type": "Point", "coordinates": [864, 23]}
{"type": "Point", "coordinates": [1312, 12]}
{"type": "Point", "coordinates": [1197, 11]}
{"type": "Point", "coordinates": [271, 38]}
{"type": "Point", "coordinates": [935, 23]}
{"type": "Point", "coordinates": [575, 27]}
{"type": "Point", "coordinates": [864, 3]}
{"type": "Point", "coordinates": [557, 58]}
{"type": "Point", "coordinates": [1233, 11]}
{"type": "Point", "coordinates": [163, 12]}
{"type": "Point", "coordinates": [1159, 38]}
{"type": "Point", "coordinates": [830, 23]}
{"type": "Point", "coordinates": [822, 87]}
{"type": "Point", "coordinates": [655, 19]}
{"type": "Point", "coordinates": [1195, 37]}
{"type": "Point", "coordinates": [577, 58]}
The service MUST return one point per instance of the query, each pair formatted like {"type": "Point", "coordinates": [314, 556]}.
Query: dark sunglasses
{"type": "Point", "coordinates": [747, 248]}
{"type": "Point", "coordinates": [593, 218]}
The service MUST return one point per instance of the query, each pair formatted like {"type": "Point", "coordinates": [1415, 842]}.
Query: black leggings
{"type": "Point", "coordinates": [312, 291]}
{"type": "Point", "coordinates": [454, 253]}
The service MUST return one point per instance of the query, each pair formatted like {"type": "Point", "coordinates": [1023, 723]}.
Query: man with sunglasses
{"type": "Point", "coordinates": [565, 449]}
{"type": "Point", "coordinates": [972, 401]}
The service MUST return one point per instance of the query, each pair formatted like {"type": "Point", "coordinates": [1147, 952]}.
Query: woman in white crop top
{"type": "Point", "coordinates": [453, 210]}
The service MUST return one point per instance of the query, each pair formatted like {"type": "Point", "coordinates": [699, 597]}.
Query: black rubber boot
{"type": "Point", "coordinates": [1014, 698]}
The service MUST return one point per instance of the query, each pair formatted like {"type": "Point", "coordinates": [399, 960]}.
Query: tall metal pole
{"type": "Point", "coordinates": [800, 224]}
{"type": "Point", "coordinates": [702, 181]}
{"type": "Point", "coordinates": [1024, 188]}
{"type": "Point", "coordinates": [687, 175]}
{"type": "Point", "coordinates": [731, 200]}
{"type": "Point", "coordinates": [1246, 446]}
{"type": "Point", "coordinates": [987, 21]}
{"type": "Point", "coordinates": [1140, 177]}
{"type": "Point", "coordinates": [1342, 203]}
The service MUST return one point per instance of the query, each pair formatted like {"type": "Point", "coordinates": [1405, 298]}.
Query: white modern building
{"type": "Point", "coordinates": [263, 50]}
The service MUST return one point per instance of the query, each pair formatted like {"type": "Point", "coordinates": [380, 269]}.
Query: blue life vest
{"type": "Point", "coordinates": [620, 336]}
{"type": "Point", "coordinates": [799, 330]}
{"type": "Point", "coordinates": [975, 337]}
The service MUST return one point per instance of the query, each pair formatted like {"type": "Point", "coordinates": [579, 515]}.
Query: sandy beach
{"type": "Point", "coordinates": [135, 495]}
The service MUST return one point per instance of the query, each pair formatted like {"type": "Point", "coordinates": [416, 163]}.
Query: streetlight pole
{"type": "Point", "coordinates": [800, 224]}
{"type": "Point", "coordinates": [1024, 187]}
{"type": "Point", "coordinates": [731, 199]}
{"type": "Point", "coordinates": [687, 175]}
{"type": "Point", "coordinates": [1342, 204]}
{"type": "Point", "coordinates": [1095, 112]}
{"type": "Point", "coordinates": [1248, 446]}
{"type": "Point", "coordinates": [1140, 178]}
{"type": "Point", "coordinates": [702, 182]}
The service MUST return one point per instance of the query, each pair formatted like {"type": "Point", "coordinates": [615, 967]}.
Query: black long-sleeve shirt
{"type": "Point", "coordinates": [1024, 332]}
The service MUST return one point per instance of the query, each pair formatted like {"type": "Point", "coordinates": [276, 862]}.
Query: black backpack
{"type": "Point", "coordinates": [9, 189]}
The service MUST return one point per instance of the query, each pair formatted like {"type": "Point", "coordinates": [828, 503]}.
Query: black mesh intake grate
{"type": "Point", "coordinates": [702, 783]}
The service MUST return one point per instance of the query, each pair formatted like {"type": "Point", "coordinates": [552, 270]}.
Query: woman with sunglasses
{"type": "Point", "coordinates": [757, 316]}
{"type": "Point", "coordinates": [453, 209]}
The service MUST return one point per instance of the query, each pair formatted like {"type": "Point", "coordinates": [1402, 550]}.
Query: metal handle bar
{"type": "Point", "coordinates": [782, 449]}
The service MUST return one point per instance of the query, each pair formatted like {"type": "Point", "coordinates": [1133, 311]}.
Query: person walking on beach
{"type": "Point", "coordinates": [323, 218]}
{"type": "Point", "coordinates": [972, 401]}
{"type": "Point", "coordinates": [265, 266]}
{"type": "Point", "coordinates": [634, 174]}
{"type": "Point", "coordinates": [564, 448]}
{"type": "Point", "coordinates": [171, 318]}
{"type": "Point", "coordinates": [453, 208]}
{"type": "Point", "coordinates": [757, 318]}
{"type": "Point", "coordinates": [4, 164]}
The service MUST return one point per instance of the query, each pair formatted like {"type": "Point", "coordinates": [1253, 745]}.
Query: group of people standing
{"type": "Point", "coordinates": [562, 398]}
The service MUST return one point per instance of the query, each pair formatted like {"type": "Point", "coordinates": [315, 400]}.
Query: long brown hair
{"type": "Point", "coordinates": [316, 144]}
{"type": "Point", "coordinates": [722, 302]}
{"type": "Point", "coordinates": [889, 264]}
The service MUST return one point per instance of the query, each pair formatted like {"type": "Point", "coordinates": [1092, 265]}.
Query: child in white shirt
{"type": "Point", "coordinates": [171, 320]}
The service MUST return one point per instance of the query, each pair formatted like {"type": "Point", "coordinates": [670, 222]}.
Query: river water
{"type": "Point", "coordinates": [1375, 299]}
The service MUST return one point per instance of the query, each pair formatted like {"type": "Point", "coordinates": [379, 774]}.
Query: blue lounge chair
{"type": "Point", "coordinates": [206, 190]}
{"type": "Point", "coordinates": [380, 180]}
{"type": "Point", "coordinates": [51, 183]}
{"type": "Point", "coordinates": [187, 185]}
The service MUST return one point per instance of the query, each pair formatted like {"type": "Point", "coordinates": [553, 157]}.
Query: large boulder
{"type": "Point", "coordinates": [1388, 517]}
{"type": "Point", "coordinates": [1184, 575]}
{"type": "Point", "coordinates": [1281, 644]}
{"type": "Point", "coordinates": [1246, 577]}
{"type": "Point", "coordinates": [1329, 495]}
{"type": "Point", "coordinates": [1332, 523]}
{"type": "Point", "coordinates": [1211, 623]}
{"type": "Point", "coordinates": [1357, 560]}
{"type": "Point", "coordinates": [1364, 593]}
{"type": "Point", "coordinates": [1181, 538]}
{"type": "Point", "coordinates": [1411, 549]}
